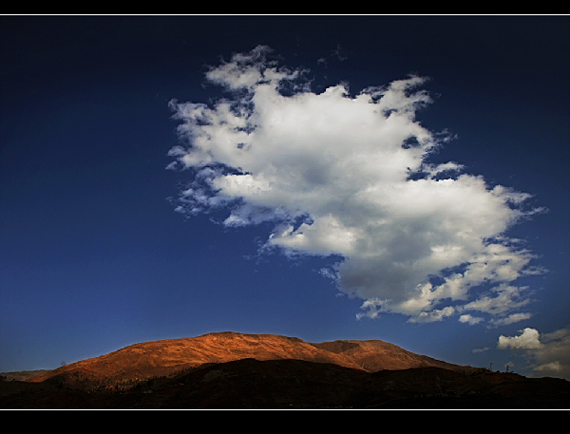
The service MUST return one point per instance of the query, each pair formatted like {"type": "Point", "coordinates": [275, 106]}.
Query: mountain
{"type": "Point", "coordinates": [236, 370]}
{"type": "Point", "coordinates": [128, 366]}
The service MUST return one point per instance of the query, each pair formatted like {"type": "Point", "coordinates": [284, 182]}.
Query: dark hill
{"type": "Point", "coordinates": [250, 383]}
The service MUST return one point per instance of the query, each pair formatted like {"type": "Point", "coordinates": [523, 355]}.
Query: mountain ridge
{"type": "Point", "coordinates": [130, 365]}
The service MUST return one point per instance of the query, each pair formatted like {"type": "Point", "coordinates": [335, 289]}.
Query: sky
{"type": "Point", "coordinates": [401, 178]}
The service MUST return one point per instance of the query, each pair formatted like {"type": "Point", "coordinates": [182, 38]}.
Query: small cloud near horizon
{"type": "Point", "coordinates": [546, 354]}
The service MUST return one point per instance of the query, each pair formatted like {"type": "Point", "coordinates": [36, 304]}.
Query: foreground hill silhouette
{"type": "Point", "coordinates": [233, 370]}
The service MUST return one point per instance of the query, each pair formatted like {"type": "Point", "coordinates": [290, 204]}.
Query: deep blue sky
{"type": "Point", "coordinates": [93, 256]}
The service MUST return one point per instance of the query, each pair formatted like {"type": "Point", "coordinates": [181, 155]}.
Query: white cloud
{"type": "Point", "coordinates": [528, 340]}
{"type": "Point", "coordinates": [547, 354]}
{"type": "Point", "coordinates": [549, 367]}
{"type": "Point", "coordinates": [502, 299]}
{"type": "Point", "coordinates": [349, 175]}
{"type": "Point", "coordinates": [469, 319]}
{"type": "Point", "coordinates": [511, 319]}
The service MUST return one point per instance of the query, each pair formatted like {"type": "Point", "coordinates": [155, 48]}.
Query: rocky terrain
{"type": "Point", "coordinates": [232, 370]}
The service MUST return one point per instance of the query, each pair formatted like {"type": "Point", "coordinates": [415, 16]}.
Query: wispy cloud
{"type": "Point", "coordinates": [349, 175]}
{"type": "Point", "coordinates": [470, 319]}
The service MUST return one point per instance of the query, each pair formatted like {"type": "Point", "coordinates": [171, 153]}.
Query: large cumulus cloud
{"type": "Point", "coordinates": [349, 175]}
